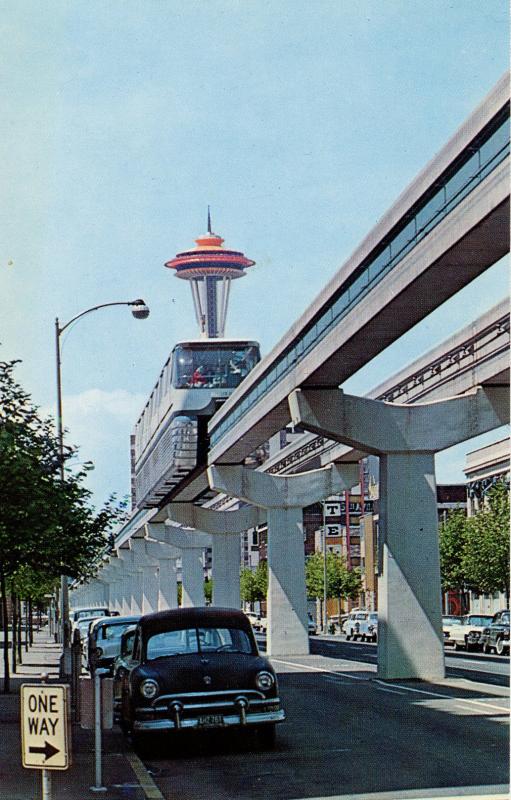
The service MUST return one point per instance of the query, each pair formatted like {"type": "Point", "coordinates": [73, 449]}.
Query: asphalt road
{"type": "Point", "coordinates": [349, 734]}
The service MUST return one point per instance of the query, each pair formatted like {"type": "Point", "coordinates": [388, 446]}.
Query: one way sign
{"type": "Point", "coordinates": [44, 726]}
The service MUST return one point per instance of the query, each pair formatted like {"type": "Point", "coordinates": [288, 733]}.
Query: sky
{"type": "Point", "coordinates": [298, 122]}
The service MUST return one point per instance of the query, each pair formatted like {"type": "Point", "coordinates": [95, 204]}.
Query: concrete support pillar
{"type": "Point", "coordinates": [191, 545]}
{"type": "Point", "coordinates": [150, 576]}
{"type": "Point", "coordinates": [225, 528]}
{"type": "Point", "coordinates": [192, 577]}
{"type": "Point", "coordinates": [406, 437]}
{"type": "Point", "coordinates": [166, 556]}
{"type": "Point", "coordinates": [226, 570]}
{"type": "Point", "coordinates": [284, 498]}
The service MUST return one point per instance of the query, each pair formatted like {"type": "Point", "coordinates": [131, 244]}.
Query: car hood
{"type": "Point", "coordinates": [207, 672]}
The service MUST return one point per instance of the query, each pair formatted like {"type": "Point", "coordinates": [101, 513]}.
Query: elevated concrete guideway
{"type": "Point", "coordinates": [477, 355]}
{"type": "Point", "coordinates": [447, 240]}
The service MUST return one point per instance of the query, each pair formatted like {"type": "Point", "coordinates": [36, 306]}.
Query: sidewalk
{"type": "Point", "coordinates": [18, 783]}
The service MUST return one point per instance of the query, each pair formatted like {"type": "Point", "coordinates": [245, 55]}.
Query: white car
{"type": "Point", "coordinates": [449, 623]}
{"type": "Point", "coordinates": [467, 634]}
{"type": "Point", "coordinates": [355, 623]}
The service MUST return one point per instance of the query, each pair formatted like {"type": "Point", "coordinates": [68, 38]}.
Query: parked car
{"type": "Point", "coordinates": [352, 626]}
{"type": "Point", "coordinates": [368, 630]}
{"type": "Point", "coordinates": [467, 634]}
{"type": "Point", "coordinates": [450, 621]}
{"type": "Point", "coordinates": [496, 635]}
{"type": "Point", "coordinates": [198, 668]}
{"type": "Point", "coordinates": [94, 611]}
{"type": "Point", "coordinates": [121, 666]}
{"type": "Point", "coordinates": [104, 640]}
{"type": "Point", "coordinates": [255, 620]}
{"type": "Point", "coordinates": [312, 628]}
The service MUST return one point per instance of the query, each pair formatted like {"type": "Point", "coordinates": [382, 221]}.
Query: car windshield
{"type": "Point", "coordinates": [197, 640]}
{"type": "Point", "coordinates": [475, 620]}
{"type": "Point", "coordinates": [91, 612]}
{"type": "Point", "coordinates": [505, 619]}
{"type": "Point", "coordinates": [453, 621]}
{"type": "Point", "coordinates": [83, 624]}
{"type": "Point", "coordinates": [112, 632]}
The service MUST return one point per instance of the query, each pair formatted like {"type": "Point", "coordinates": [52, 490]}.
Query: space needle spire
{"type": "Point", "coordinates": [210, 269]}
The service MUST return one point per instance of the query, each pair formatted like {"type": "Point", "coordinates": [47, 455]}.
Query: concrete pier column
{"type": "Point", "coordinates": [226, 570]}
{"type": "Point", "coordinates": [150, 575]}
{"type": "Point", "coordinates": [225, 528]}
{"type": "Point", "coordinates": [191, 546]}
{"type": "Point", "coordinates": [133, 583]}
{"type": "Point", "coordinates": [284, 499]}
{"type": "Point", "coordinates": [406, 437]}
{"type": "Point", "coordinates": [167, 557]}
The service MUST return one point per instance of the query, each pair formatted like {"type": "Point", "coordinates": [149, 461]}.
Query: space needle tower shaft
{"type": "Point", "coordinates": [210, 269]}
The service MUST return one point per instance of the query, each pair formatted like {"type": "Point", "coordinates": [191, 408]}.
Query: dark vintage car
{"type": "Point", "coordinates": [496, 635]}
{"type": "Point", "coordinates": [198, 668]}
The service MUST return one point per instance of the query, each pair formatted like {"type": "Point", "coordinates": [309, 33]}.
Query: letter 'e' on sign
{"type": "Point", "coordinates": [44, 726]}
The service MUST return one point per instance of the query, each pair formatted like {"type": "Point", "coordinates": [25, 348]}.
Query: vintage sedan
{"type": "Point", "coordinates": [198, 669]}
{"type": "Point", "coordinates": [104, 640]}
{"type": "Point", "coordinates": [467, 635]}
{"type": "Point", "coordinates": [496, 635]}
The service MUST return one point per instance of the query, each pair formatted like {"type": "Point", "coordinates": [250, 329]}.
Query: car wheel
{"type": "Point", "coordinates": [348, 637]}
{"type": "Point", "coordinates": [500, 646]}
{"type": "Point", "coordinates": [267, 735]}
{"type": "Point", "coordinates": [457, 646]}
{"type": "Point", "coordinates": [487, 649]}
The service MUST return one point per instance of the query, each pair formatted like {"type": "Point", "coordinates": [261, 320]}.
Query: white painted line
{"type": "Point", "coordinates": [448, 697]}
{"type": "Point", "coordinates": [309, 668]}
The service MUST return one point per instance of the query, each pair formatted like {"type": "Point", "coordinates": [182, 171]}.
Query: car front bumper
{"type": "Point", "coordinates": [208, 710]}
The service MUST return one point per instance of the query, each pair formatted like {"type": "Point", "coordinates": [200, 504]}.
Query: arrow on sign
{"type": "Point", "coordinates": [49, 750]}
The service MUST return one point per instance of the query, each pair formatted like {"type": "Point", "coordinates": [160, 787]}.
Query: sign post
{"type": "Point", "coordinates": [44, 729]}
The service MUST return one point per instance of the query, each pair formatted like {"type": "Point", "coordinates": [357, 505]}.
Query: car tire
{"type": "Point", "coordinates": [500, 646]}
{"type": "Point", "coordinates": [267, 735]}
{"type": "Point", "coordinates": [487, 649]}
{"type": "Point", "coordinates": [457, 646]}
{"type": "Point", "coordinates": [348, 637]}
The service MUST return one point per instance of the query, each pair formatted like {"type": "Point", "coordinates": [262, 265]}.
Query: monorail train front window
{"type": "Point", "coordinates": [225, 367]}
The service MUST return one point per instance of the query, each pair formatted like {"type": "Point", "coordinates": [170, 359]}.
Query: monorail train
{"type": "Point", "coordinates": [170, 437]}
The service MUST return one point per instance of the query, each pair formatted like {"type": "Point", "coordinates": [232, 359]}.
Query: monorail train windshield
{"type": "Point", "coordinates": [215, 366]}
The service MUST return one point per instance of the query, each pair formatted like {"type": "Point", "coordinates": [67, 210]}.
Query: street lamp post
{"type": "Point", "coordinates": [140, 311]}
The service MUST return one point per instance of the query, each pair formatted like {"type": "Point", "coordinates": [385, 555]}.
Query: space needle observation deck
{"type": "Point", "coordinates": [210, 269]}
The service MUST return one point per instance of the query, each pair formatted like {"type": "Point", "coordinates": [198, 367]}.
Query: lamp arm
{"type": "Point", "coordinates": [95, 308]}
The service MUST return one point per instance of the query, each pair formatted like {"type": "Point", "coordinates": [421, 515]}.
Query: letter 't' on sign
{"type": "Point", "coordinates": [44, 726]}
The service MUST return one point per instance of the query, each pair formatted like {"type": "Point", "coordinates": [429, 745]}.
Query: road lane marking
{"type": "Point", "coordinates": [145, 780]}
{"type": "Point", "coordinates": [309, 668]}
{"type": "Point", "coordinates": [449, 697]}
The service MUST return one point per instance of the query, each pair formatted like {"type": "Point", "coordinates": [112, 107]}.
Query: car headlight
{"type": "Point", "coordinates": [149, 688]}
{"type": "Point", "coordinates": [264, 680]}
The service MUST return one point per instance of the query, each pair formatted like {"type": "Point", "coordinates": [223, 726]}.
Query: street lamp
{"type": "Point", "coordinates": [140, 311]}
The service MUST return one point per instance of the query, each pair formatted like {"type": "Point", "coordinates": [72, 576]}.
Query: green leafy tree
{"type": "Point", "coordinates": [248, 589]}
{"type": "Point", "coordinates": [341, 582]}
{"type": "Point", "coordinates": [208, 591]}
{"type": "Point", "coordinates": [261, 579]}
{"type": "Point", "coordinates": [452, 540]}
{"type": "Point", "coordinates": [47, 523]}
{"type": "Point", "coordinates": [486, 554]}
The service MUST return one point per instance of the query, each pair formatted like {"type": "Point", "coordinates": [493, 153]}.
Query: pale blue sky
{"type": "Point", "coordinates": [299, 122]}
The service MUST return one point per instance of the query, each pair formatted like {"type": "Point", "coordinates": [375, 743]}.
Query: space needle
{"type": "Point", "coordinates": [210, 269]}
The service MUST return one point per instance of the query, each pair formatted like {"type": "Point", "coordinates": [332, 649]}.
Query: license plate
{"type": "Point", "coordinates": [210, 720]}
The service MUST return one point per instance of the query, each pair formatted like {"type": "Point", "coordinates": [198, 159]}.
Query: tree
{"type": "Point", "coordinates": [254, 583]}
{"type": "Point", "coordinates": [452, 541]}
{"type": "Point", "coordinates": [486, 553]}
{"type": "Point", "coordinates": [341, 582]}
{"type": "Point", "coordinates": [208, 591]}
{"type": "Point", "coordinates": [46, 522]}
